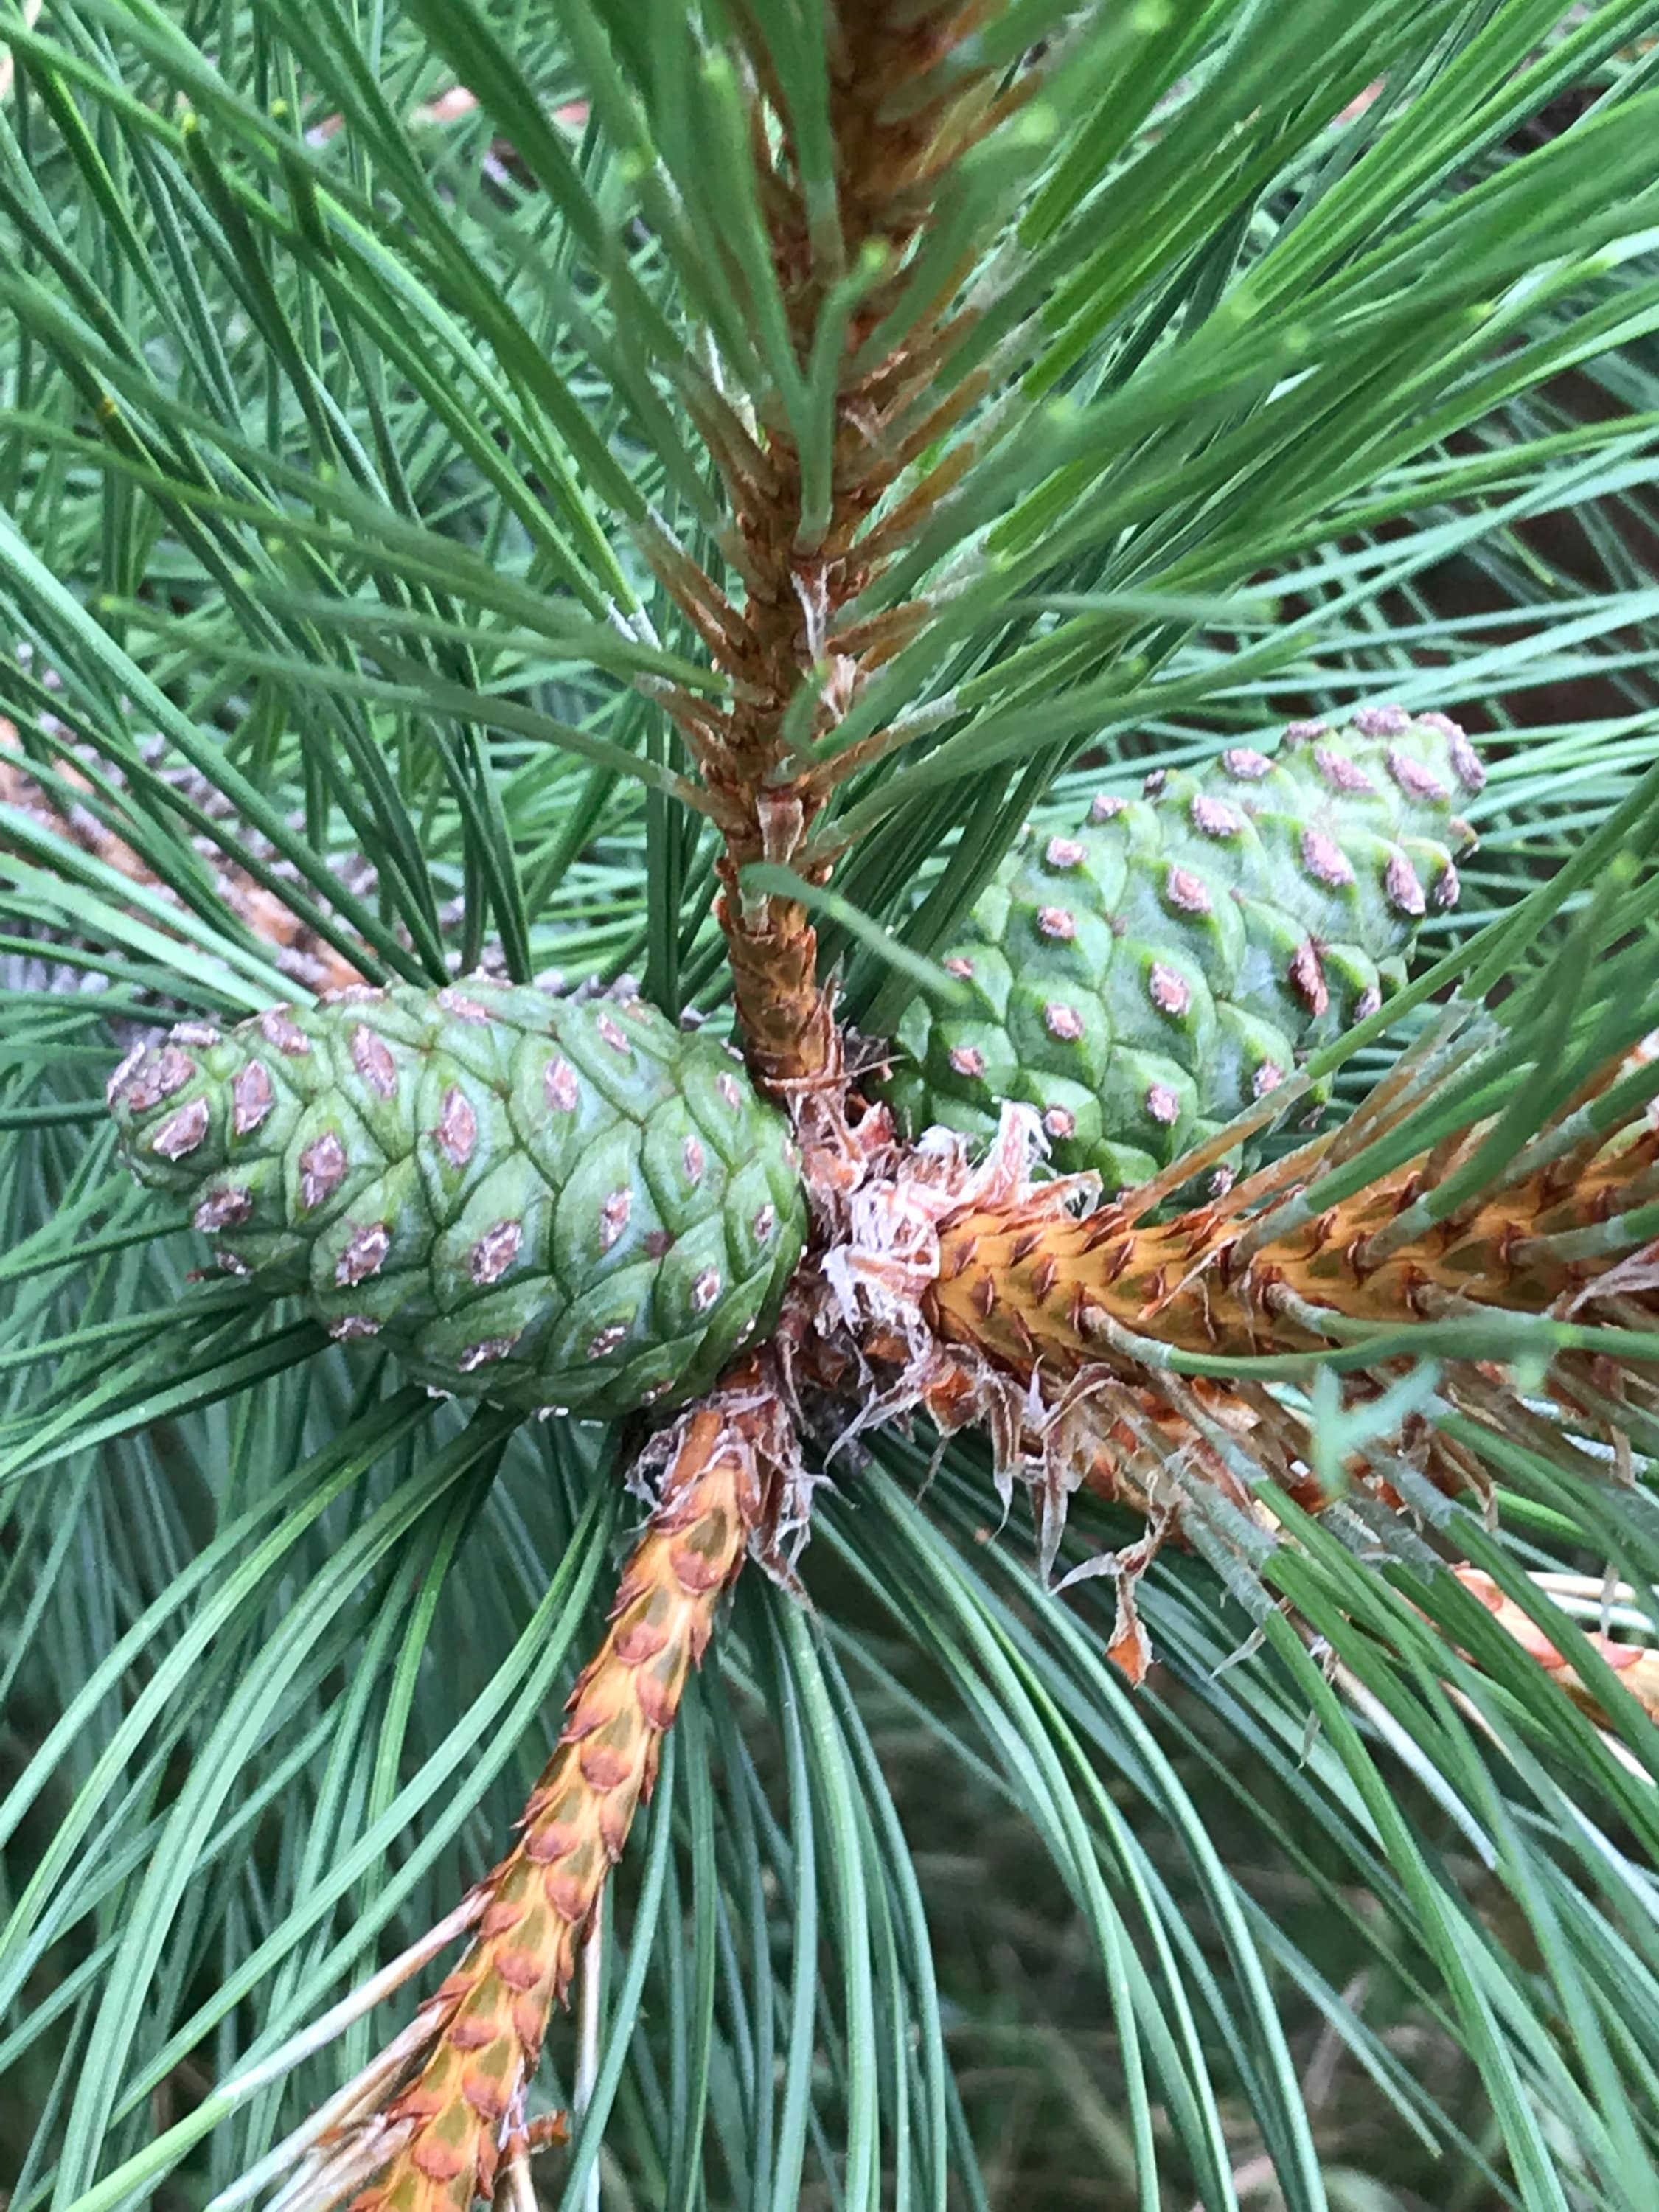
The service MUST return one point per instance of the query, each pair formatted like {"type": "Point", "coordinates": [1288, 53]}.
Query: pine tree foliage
{"type": "Point", "coordinates": [668, 491]}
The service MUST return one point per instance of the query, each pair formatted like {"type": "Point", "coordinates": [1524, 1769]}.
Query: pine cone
{"type": "Point", "coordinates": [1143, 981]}
{"type": "Point", "coordinates": [538, 1202]}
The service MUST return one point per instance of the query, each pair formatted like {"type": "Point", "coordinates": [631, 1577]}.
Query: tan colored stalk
{"type": "Point", "coordinates": [1031, 1286]}
{"type": "Point", "coordinates": [446, 2128]}
{"type": "Point", "coordinates": [901, 112]}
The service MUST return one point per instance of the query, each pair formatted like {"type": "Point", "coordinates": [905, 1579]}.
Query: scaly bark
{"type": "Point", "coordinates": [487, 2020]}
{"type": "Point", "coordinates": [901, 113]}
{"type": "Point", "coordinates": [1032, 1287]}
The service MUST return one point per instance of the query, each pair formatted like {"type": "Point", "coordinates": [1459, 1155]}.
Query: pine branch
{"type": "Point", "coordinates": [1032, 1286]}
{"type": "Point", "coordinates": [436, 2136]}
{"type": "Point", "coordinates": [780, 250]}
{"type": "Point", "coordinates": [848, 416]}
{"type": "Point", "coordinates": [66, 804]}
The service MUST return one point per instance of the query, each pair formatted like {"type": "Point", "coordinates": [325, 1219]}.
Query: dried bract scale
{"type": "Point", "coordinates": [485, 1352]}
{"type": "Point", "coordinates": [1170, 993]}
{"type": "Point", "coordinates": [1323, 857]}
{"type": "Point", "coordinates": [1414, 779]}
{"type": "Point", "coordinates": [456, 1131]}
{"type": "Point", "coordinates": [252, 1097]}
{"type": "Point", "coordinates": [372, 1058]}
{"type": "Point", "coordinates": [322, 1170]}
{"type": "Point", "coordinates": [118, 1081]}
{"type": "Point", "coordinates": [1213, 817]}
{"type": "Point", "coordinates": [1341, 772]}
{"type": "Point", "coordinates": [495, 1251]}
{"type": "Point", "coordinates": [223, 1207]}
{"type": "Point", "coordinates": [160, 1076]}
{"type": "Point", "coordinates": [1187, 890]}
{"type": "Point", "coordinates": [280, 1030]}
{"type": "Point", "coordinates": [1307, 977]}
{"type": "Point", "coordinates": [1470, 771]}
{"type": "Point", "coordinates": [183, 1132]}
{"type": "Point", "coordinates": [1245, 765]}
{"type": "Point", "coordinates": [1386, 721]}
{"type": "Point", "coordinates": [1405, 892]}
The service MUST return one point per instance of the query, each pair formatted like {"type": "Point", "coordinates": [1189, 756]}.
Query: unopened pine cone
{"type": "Point", "coordinates": [1145, 979]}
{"type": "Point", "coordinates": [542, 1203]}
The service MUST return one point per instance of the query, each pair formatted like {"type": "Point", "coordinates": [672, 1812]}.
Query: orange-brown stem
{"type": "Point", "coordinates": [489, 2017]}
{"type": "Point", "coordinates": [774, 987]}
{"type": "Point", "coordinates": [1031, 1286]}
{"type": "Point", "coordinates": [899, 116]}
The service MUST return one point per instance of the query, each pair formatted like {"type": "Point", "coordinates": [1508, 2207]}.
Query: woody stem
{"type": "Point", "coordinates": [1031, 1286]}
{"type": "Point", "coordinates": [899, 117]}
{"type": "Point", "coordinates": [487, 2020]}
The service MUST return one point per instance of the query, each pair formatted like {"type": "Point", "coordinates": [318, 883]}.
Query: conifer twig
{"type": "Point", "coordinates": [907, 98]}
{"type": "Point", "coordinates": [437, 2134]}
{"type": "Point", "coordinates": [1030, 1284]}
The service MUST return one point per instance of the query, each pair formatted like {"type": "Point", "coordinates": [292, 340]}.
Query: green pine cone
{"type": "Point", "coordinates": [540, 1202]}
{"type": "Point", "coordinates": [1142, 982]}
